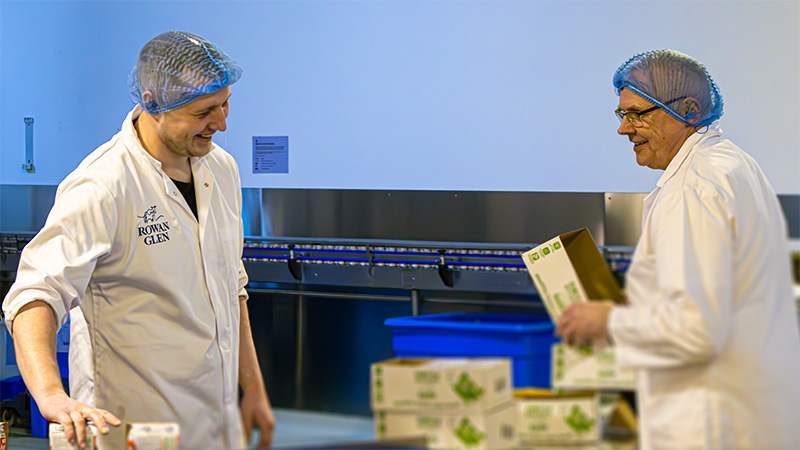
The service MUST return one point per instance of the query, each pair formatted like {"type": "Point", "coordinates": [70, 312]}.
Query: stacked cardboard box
{"type": "Point", "coordinates": [453, 403]}
{"type": "Point", "coordinates": [544, 416]}
{"type": "Point", "coordinates": [153, 436]}
{"type": "Point", "coordinates": [3, 435]}
{"type": "Point", "coordinates": [140, 436]}
{"type": "Point", "coordinates": [59, 441]}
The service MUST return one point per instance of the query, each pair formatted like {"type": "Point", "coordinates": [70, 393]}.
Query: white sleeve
{"type": "Point", "coordinates": [243, 278]}
{"type": "Point", "coordinates": [689, 317]}
{"type": "Point", "coordinates": [57, 264]}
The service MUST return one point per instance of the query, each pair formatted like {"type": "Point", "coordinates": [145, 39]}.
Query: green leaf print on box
{"type": "Point", "coordinates": [468, 433]}
{"type": "Point", "coordinates": [468, 390]}
{"type": "Point", "coordinates": [579, 420]}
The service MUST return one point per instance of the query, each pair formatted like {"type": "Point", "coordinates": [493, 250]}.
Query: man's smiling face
{"type": "Point", "coordinates": [659, 138]}
{"type": "Point", "coordinates": [187, 131]}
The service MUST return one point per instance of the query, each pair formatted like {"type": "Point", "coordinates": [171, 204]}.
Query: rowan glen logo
{"type": "Point", "coordinates": [153, 232]}
{"type": "Point", "coordinates": [149, 215]}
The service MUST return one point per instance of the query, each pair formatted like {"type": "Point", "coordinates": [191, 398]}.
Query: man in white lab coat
{"type": "Point", "coordinates": [145, 242]}
{"type": "Point", "coordinates": [710, 322]}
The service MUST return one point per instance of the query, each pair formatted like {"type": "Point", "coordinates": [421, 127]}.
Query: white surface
{"type": "Point", "coordinates": [294, 428]}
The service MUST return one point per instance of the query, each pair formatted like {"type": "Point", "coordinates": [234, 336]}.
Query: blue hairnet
{"type": "Point", "coordinates": [664, 77]}
{"type": "Point", "coordinates": [176, 68]}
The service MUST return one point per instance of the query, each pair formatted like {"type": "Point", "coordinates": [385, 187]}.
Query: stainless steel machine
{"type": "Point", "coordinates": [327, 267]}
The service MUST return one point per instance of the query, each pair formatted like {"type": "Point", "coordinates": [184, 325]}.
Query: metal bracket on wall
{"type": "Point", "coordinates": [28, 166]}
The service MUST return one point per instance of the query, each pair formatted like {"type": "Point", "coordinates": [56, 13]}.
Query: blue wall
{"type": "Point", "coordinates": [450, 95]}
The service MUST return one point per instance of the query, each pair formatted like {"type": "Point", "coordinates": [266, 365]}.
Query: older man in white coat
{"type": "Point", "coordinates": [710, 324]}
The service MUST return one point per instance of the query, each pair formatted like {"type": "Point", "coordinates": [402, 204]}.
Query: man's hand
{"type": "Point", "coordinates": [72, 415]}
{"type": "Point", "coordinates": [256, 411]}
{"type": "Point", "coordinates": [34, 336]}
{"type": "Point", "coordinates": [584, 322]}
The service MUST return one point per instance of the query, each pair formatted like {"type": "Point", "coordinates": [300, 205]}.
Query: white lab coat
{"type": "Point", "coordinates": [712, 325]}
{"type": "Point", "coordinates": [158, 289]}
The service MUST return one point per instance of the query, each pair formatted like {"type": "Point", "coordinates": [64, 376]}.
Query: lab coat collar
{"type": "Point", "coordinates": [132, 142]}
{"type": "Point", "coordinates": [713, 131]}
{"type": "Point", "coordinates": [131, 139]}
{"type": "Point", "coordinates": [200, 172]}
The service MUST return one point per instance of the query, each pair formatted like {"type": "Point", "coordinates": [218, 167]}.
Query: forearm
{"type": "Point", "coordinates": [35, 329]}
{"type": "Point", "coordinates": [669, 334]}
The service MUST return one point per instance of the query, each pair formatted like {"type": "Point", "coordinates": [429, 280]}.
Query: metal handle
{"type": "Point", "coordinates": [28, 166]}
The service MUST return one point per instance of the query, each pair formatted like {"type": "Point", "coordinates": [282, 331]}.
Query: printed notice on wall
{"type": "Point", "coordinates": [270, 154]}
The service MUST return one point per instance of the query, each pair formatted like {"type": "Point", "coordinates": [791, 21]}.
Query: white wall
{"type": "Point", "coordinates": [443, 95]}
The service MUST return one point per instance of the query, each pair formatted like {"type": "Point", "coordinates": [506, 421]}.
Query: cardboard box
{"type": "Point", "coordinates": [547, 417]}
{"type": "Point", "coordinates": [3, 435]}
{"type": "Point", "coordinates": [568, 269]}
{"type": "Point", "coordinates": [465, 430]}
{"type": "Point", "coordinates": [579, 368]}
{"type": "Point", "coordinates": [440, 384]}
{"type": "Point", "coordinates": [59, 441]}
{"type": "Point", "coordinates": [153, 436]}
{"type": "Point", "coordinates": [617, 416]}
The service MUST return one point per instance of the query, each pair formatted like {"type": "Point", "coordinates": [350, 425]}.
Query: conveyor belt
{"type": "Point", "coordinates": [481, 267]}
{"type": "Point", "coordinates": [399, 253]}
{"type": "Point", "coordinates": [407, 265]}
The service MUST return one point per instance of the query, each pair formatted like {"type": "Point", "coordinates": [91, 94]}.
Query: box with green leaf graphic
{"type": "Point", "coordinates": [547, 417]}
{"type": "Point", "coordinates": [587, 368]}
{"type": "Point", "coordinates": [440, 384]}
{"type": "Point", "coordinates": [570, 268]}
{"type": "Point", "coordinates": [458, 430]}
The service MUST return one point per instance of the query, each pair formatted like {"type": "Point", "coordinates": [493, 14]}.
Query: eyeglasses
{"type": "Point", "coordinates": [635, 117]}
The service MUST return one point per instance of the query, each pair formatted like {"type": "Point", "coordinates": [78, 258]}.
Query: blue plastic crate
{"type": "Point", "coordinates": [526, 339]}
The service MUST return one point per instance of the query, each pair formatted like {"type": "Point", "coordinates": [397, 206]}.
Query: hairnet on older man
{"type": "Point", "coordinates": [176, 68]}
{"type": "Point", "coordinates": [666, 78]}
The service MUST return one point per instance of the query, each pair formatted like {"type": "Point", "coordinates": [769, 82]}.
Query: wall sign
{"type": "Point", "coordinates": [270, 154]}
